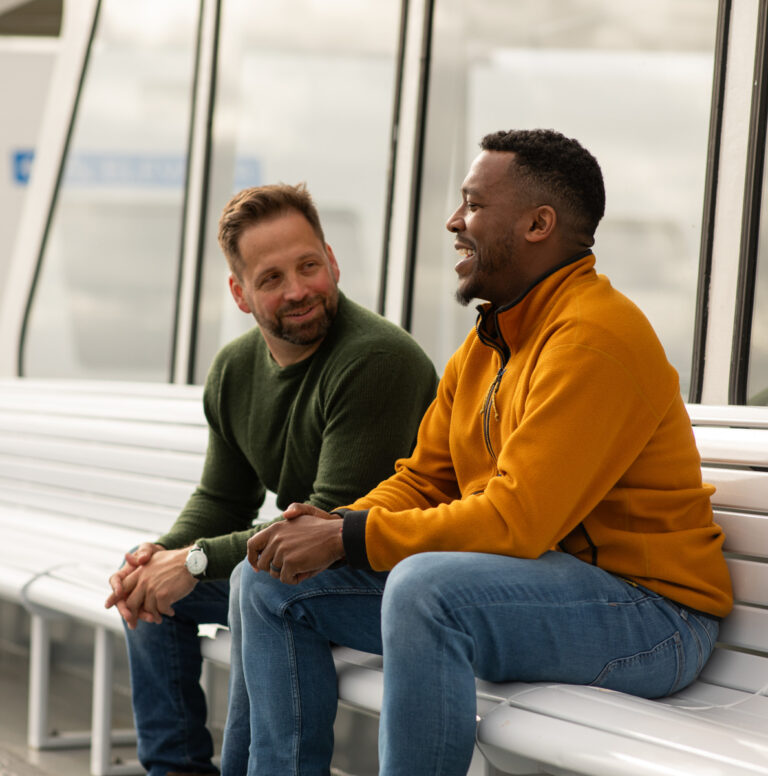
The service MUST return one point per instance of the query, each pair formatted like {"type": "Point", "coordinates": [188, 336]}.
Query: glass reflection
{"type": "Point", "coordinates": [104, 304]}
{"type": "Point", "coordinates": [634, 88]}
{"type": "Point", "coordinates": [304, 93]}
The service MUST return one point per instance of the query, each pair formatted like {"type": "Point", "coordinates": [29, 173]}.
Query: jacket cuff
{"type": "Point", "coordinates": [353, 537]}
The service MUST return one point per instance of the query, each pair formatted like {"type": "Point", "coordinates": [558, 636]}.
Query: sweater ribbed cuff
{"type": "Point", "coordinates": [353, 537]}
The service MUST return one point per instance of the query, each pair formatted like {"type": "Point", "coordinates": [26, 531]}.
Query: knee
{"type": "Point", "coordinates": [234, 593]}
{"type": "Point", "coordinates": [415, 587]}
{"type": "Point", "coordinates": [235, 577]}
{"type": "Point", "coordinates": [258, 592]}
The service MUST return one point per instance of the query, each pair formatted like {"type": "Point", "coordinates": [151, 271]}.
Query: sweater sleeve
{"type": "Point", "coordinates": [585, 421]}
{"type": "Point", "coordinates": [372, 410]}
{"type": "Point", "coordinates": [427, 478]}
{"type": "Point", "coordinates": [220, 512]}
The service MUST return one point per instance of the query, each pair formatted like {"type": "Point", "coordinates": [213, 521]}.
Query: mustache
{"type": "Point", "coordinates": [296, 306]}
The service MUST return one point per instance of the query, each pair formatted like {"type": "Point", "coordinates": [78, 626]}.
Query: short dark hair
{"type": "Point", "coordinates": [259, 203]}
{"type": "Point", "coordinates": [558, 169]}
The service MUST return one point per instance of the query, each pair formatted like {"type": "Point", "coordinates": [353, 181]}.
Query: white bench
{"type": "Point", "coordinates": [546, 728]}
{"type": "Point", "coordinates": [89, 469]}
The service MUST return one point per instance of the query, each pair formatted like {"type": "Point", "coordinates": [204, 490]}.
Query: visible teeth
{"type": "Point", "coordinates": [466, 253]}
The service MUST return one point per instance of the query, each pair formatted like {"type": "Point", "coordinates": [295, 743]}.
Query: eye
{"type": "Point", "coordinates": [310, 266]}
{"type": "Point", "coordinates": [270, 280]}
{"type": "Point", "coordinates": [472, 206]}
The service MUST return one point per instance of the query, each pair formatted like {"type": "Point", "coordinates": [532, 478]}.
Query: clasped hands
{"type": "Point", "coordinates": [307, 542]}
{"type": "Point", "coordinates": [152, 579]}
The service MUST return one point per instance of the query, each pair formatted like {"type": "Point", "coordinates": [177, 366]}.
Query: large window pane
{"type": "Point", "coordinates": [632, 82]}
{"type": "Point", "coordinates": [304, 93]}
{"type": "Point", "coordinates": [104, 305]}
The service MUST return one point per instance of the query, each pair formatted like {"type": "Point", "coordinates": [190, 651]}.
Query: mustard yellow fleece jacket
{"type": "Point", "coordinates": [558, 424]}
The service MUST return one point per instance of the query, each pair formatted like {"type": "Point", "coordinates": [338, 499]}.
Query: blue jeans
{"type": "Point", "coordinates": [441, 620]}
{"type": "Point", "coordinates": [168, 703]}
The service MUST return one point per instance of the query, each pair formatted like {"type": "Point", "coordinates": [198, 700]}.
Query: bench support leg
{"type": "Point", "coordinates": [103, 737]}
{"type": "Point", "coordinates": [38, 734]}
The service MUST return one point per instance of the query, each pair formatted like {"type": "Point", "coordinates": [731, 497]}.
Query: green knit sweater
{"type": "Point", "coordinates": [324, 431]}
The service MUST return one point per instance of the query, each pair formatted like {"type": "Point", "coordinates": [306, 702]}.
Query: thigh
{"type": "Point", "coordinates": [207, 603]}
{"type": "Point", "coordinates": [554, 618]}
{"type": "Point", "coordinates": [342, 605]}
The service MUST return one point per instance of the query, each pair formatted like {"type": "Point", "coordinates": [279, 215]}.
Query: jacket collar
{"type": "Point", "coordinates": [501, 327]}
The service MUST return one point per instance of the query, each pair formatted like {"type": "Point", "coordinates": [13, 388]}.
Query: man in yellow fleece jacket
{"type": "Point", "coordinates": [550, 525]}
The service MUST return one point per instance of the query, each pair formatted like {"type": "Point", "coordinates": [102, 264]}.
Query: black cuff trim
{"type": "Point", "coordinates": [353, 536]}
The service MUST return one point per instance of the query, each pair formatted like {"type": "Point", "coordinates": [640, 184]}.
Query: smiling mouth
{"type": "Point", "coordinates": [299, 313]}
{"type": "Point", "coordinates": [466, 257]}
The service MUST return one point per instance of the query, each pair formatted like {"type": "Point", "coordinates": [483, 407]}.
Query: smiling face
{"type": "Point", "coordinates": [288, 282]}
{"type": "Point", "coordinates": [491, 225]}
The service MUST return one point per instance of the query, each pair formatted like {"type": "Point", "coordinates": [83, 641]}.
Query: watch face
{"type": "Point", "coordinates": [196, 562]}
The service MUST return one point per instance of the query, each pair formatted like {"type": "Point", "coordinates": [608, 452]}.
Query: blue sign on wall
{"type": "Point", "coordinates": [21, 165]}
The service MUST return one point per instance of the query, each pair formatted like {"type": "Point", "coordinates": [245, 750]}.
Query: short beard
{"type": "Point", "coordinates": [464, 297]}
{"type": "Point", "coordinates": [306, 334]}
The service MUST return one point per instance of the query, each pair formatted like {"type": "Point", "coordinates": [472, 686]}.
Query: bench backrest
{"type": "Point", "coordinates": [123, 454]}
{"type": "Point", "coordinates": [733, 443]}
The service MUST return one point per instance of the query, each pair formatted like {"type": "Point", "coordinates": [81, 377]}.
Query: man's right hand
{"type": "Point", "coordinates": [133, 560]}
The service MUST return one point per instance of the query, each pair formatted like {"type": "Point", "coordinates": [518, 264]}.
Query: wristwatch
{"type": "Point", "coordinates": [196, 562]}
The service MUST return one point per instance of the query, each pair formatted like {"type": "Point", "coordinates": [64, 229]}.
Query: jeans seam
{"type": "Point", "coordinates": [295, 697]}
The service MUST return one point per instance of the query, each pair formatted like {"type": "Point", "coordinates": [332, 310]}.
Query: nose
{"type": "Point", "coordinates": [455, 222]}
{"type": "Point", "coordinates": [294, 288]}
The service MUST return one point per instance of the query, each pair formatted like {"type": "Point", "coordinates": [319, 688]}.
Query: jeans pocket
{"type": "Point", "coordinates": [651, 674]}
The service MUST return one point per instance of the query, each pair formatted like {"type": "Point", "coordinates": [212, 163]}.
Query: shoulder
{"type": "Point", "coordinates": [235, 363]}
{"type": "Point", "coordinates": [600, 324]}
{"type": "Point", "coordinates": [238, 353]}
{"type": "Point", "coordinates": [359, 332]}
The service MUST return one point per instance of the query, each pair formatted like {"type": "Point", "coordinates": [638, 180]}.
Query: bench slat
{"type": "Point", "coordinates": [742, 446]}
{"type": "Point", "coordinates": [736, 670]}
{"type": "Point", "coordinates": [152, 518]}
{"type": "Point", "coordinates": [745, 533]}
{"type": "Point", "coordinates": [132, 487]}
{"type": "Point", "coordinates": [95, 457]}
{"type": "Point", "coordinates": [746, 627]}
{"type": "Point", "coordinates": [737, 416]}
{"type": "Point", "coordinates": [750, 581]}
{"type": "Point", "coordinates": [67, 534]}
{"type": "Point", "coordinates": [184, 437]}
{"type": "Point", "coordinates": [156, 410]}
{"type": "Point", "coordinates": [737, 488]}
{"type": "Point", "coordinates": [78, 602]}
{"type": "Point", "coordinates": [10, 386]}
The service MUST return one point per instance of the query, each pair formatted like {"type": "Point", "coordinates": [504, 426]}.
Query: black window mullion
{"type": "Point", "coordinates": [750, 225]}
{"type": "Point", "coordinates": [418, 167]}
{"type": "Point", "coordinates": [57, 189]}
{"type": "Point", "coordinates": [710, 201]}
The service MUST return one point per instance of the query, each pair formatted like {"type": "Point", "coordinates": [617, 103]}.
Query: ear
{"type": "Point", "coordinates": [542, 224]}
{"type": "Point", "coordinates": [237, 294]}
{"type": "Point", "coordinates": [334, 264]}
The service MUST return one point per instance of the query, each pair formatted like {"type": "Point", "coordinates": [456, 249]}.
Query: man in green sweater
{"type": "Point", "coordinates": [315, 403]}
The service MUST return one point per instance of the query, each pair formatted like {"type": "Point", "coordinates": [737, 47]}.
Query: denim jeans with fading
{"type": "Point", "coordinates": [168, 703]}
{"type": "Point", "coordinates": [441, 619]}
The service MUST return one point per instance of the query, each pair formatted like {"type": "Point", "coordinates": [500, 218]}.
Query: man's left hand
{"type": "Point", "coordinates": [306, 543]}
